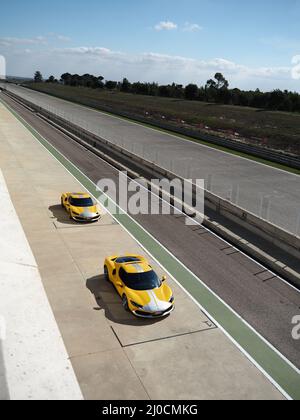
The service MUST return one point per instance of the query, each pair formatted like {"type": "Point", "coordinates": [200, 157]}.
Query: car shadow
{"type": "Point", "coordinates": [61, 215]}
{"type": "Point", "coordinates": [108, 300]}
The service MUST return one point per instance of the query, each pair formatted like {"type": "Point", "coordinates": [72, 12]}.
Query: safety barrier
{"type": "Point", "coordinates": [285, 241]}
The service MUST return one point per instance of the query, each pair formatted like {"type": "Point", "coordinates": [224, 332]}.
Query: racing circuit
{"type": "Point", "coordinates": [230, 335]}
{"type": "Point", "coordinates": [252, 183]}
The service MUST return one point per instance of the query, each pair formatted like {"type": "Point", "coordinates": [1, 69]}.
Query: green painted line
{"type": "Point", "coordinates": [175, 134]}
{"type": "Point", "coordinates": [273, 364]}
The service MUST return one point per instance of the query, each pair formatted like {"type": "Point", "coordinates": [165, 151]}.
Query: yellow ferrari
{"type": "Point", "coordinates": [80, 207]}
{"type": "Point", "coordinates": [142, 292]}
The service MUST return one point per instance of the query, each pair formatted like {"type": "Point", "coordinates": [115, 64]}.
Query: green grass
{"type": "Point", "coordinates": [286, 376]}
{"type": "Point", "coordinates": [277, 130]}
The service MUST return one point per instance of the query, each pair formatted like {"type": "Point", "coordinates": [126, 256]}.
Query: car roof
{"type": "Point", "coordinates": [128, 259]}
{"type": "Point", "coordinates": [80, 195]}
{"type": "Point", "coordinates": [134, 264]}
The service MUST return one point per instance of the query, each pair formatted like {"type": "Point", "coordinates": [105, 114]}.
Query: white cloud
{"type": "Point", "coordinates": [171, 26]}
{"type": "Point", "coordinates": [63, 38]}
{"type": "Point", "coordinates": [10, 41]}
{"type": "Point", "coordinates": [85, 50]}
{"type": "Point", "coordinates": [166, 68]}
{"type": "Point", "coordinates": [38, 40]}
{"type": "Point", "coordinates": [192, 27]}
{"type": "Point", "coordinates": [296, 67]}
{"type": "Point", "coordinates": [149, 66]}
{"type": "Point", "coordinates": [166, 26]}
{"type": "Point", "coordinates": [296, 59]}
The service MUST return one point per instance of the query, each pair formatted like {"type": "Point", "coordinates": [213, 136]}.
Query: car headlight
{"type": "Point", "coordinates": [136, 304]}
{"type": "Point", "coordinates": [172, 299]}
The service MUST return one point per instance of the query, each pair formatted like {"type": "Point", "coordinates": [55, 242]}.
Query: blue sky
{"type": "Point", "coordinates": [252, 43]}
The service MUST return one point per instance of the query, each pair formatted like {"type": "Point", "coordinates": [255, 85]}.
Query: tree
{"type": "Point", "coordinates": [76, 80]}
{"type": "Point", "coordinates": [141, 88]}
{"type": "Point", "coordinates": [217, 89]}
{"type": "Point", "coordinates": [51, 80]}
{"type": "Point", "coordinates": [191, 91]}
{"type": "Point", "coordinates": [38, 78]}
{"type": "Point", "coordinates": [100, 82]}
{"type": "Point", "coordinates": [125, 85]}
{"type": "Point", "coordinates": [66, 78]}
{"type": "Point", "coordinates": [153, 89]}
{"type": "Point", "coordinates": [222, 83]}
{"type": "Point", "coordinates": [165, 91]}
{"type": "Point", "coordinates": [111, 85]}
{"type": "Point", "coordinates": [211, 84]}
{"type": "Point", "coordinates": [210, 90]}
{"type": "Point", "coordinates": [276, 99]}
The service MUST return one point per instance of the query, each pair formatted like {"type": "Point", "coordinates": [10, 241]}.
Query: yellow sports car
{"type": "Point", "coordinates": [142, 292]}
{"type": "Point", "coordinates": [80, 207]}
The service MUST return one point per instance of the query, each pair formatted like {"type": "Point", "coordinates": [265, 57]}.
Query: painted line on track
{"type": "Point", "coordinates": [281, 373]}
{"type": "Point", "coordinates": [241, 155]}
{"type": "Point", "coordinates": [194, 221]}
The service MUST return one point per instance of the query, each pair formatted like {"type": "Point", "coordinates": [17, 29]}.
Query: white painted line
{"type": "Point", "coordinates": [247, 355]}
{"type": "Point", "coordinates": [36, 363]}
{"type": "Point", "coordinates": [157, 130]}
{"type": "Point", "coordinates": [195, 221]}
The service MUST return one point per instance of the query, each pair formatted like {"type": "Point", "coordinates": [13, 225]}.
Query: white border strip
{"type": "Point", "coordinates": [203, 284]}
{"type": "Point", "coordinates": [157, 130]}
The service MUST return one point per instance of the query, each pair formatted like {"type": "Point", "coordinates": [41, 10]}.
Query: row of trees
{"type": "Point", "coordinates": [216, 90]}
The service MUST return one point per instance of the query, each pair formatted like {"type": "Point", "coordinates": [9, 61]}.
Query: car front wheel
{"type": "Point", "coordinates": [106, 275]}
{"type": "Point", "coordinates": [125, 303]}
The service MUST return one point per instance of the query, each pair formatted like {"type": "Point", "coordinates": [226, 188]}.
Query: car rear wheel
{"type": "Point", "coordinates": [62, 203]}
{"type": "Point", "coordinates": [125, 303]}
{"type": "Point", "coordinates": [106, 275]}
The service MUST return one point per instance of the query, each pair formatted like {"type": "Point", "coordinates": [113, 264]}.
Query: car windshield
{"type": "Point", "coordinates": [81, 202]}
{"type": "Point", "coordinates": [140, 281]}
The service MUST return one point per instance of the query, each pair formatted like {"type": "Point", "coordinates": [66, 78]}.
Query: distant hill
{"type": "Point", "coordinates": [17, 79]}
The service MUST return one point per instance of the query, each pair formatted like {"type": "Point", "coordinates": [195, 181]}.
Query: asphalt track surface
{"type": "Point", "coordinates": [263, 190]}
{"type": "Point", "coordinates": [266, 302]}
{"type": "Point", "coordinates": [69, 266]}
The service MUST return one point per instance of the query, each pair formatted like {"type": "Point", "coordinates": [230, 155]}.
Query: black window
{"type": "Point", "coordinates": [122, 260]}
{"type": "Point", "coordinates": [140, 281]}
{"type": "Point", "coordinates": [81, 202]}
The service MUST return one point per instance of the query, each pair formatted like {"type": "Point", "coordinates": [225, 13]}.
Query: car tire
{"type": "Point", "coordinates": [106, 275]}
{"type": "Point", "coordinates": [125, 303]}
{"type": "Point", "coordinates": [62, 203]}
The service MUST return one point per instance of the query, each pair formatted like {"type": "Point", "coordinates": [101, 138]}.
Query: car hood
{"type": "Point", "coordinates": [152, 300]}
{"type": "Point", "coordinates": [85, 210]}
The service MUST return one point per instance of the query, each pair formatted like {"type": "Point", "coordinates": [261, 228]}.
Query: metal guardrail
{"type": "Point", "coordinates": [287, 242]}
{"type": "Point", "coordinates": [292, 161]}
{"type": "Point", "coordinates": [273, 156]}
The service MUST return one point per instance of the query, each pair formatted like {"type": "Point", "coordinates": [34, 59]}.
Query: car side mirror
{"type": "Point", "coordinates": [164, 278]}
